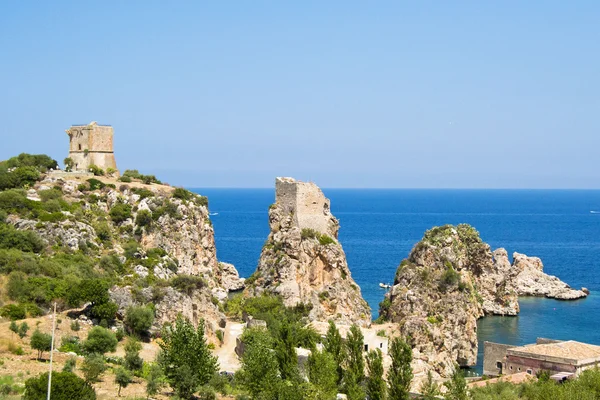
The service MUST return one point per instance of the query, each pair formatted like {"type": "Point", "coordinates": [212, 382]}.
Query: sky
{"type": "Point", "coordinates": [427, 94]}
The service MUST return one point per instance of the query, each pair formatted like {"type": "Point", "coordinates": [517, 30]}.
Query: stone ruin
{"type": "Point", "coordinates": [91, 144]}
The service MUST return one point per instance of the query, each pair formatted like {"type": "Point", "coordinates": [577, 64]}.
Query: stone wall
{"type": "Point", "coordinates": [91, 145]}
{"type": "Point", "coordinates": [494, 353]}
{"type": "Point", "coordinates": [306, 202]}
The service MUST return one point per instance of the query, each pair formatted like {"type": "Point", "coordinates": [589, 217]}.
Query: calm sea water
{"type": "Point", "coordinates": [379, 228]}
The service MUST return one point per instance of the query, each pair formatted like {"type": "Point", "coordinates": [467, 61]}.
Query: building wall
{"type": "Point", "coordinates": [306, 202]}
{"type": "Point", "coordinates": [494, 353]}
{"type": "Point", "coordinates": [91, 145]}
{"type": "Point", "coordinates": [515, 364]}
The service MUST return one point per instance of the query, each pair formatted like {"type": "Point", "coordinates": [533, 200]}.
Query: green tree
{"type": "Point", "coordinates": [185, 358]}
{"type": "Point", "coordinates": [334, 345]}
{"type": "Point", "coordinates": [429, 389]}
{"type": "Point", "coordinates": [122, 378]}
{"type": "Point", "coordinates": [14, 327]}
{"type": "Point", "coordinates": [259, 373]}
{"type": "Point", "coordinates": [143, 218]}
{"type": "Point", "coordinates": [376, 388]}
{"type": "Point", "coordinates": [93, 366]}
{"type": "Point", "coordinates": [457, 386]}
{"type": "Point", "coordinates": [286, 354]}
{"type": "Point", "coordinates": [23, 329]}
{"type": "Point", "coordinates": [41, 342]}
{"type": "Point", "coordinates": [355, 363]}
{"type": "Point", "coordinates": [155, 380]}
{"type": "Point", "coordinates": [322, 373]}
{"type": "Point", "coordinates": [100, 340]}
{"type": "Point", "coordinates": [65, 386]}
{"type": "Point", "coordinates": [133, 361]}
{"type": "Point", "coordinates": [120, 213]}
{"type": "Point", "coordinates": [138, 320]}
{"type": "Point", "coordinates": [400, 373]}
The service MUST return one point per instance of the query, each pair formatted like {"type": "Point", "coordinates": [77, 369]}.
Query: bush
{"type": "Point", "coordinates": [95, 184]}
{"type": "Point", "coordinates": [23, 329]}
{"type": "Point", "coordinates": [70, 344]}
{"type": "Point", "coordinates": [138, 320]}
{"type": "Point", "coordinates": [308, 233]}
{"type": "Point", "coordinates": [13, 312]}
{"type": "Point", "coordinates": [105, 311]}
{"type": "Point", "coordinates": [70, 364]}
{"type": "Point", "coordinates": [97, 171]}
{"type": "Point", "coordinates": [143, 218]}
{"type": "Point", "coordinates": [133, 361]}
{"type": "Point", "coordinates": [12, 238]}
{"type": "Point", "coordinates": [125, 179]}
{"type": "Point", "coordinates": [325, 240]}
{"type": "Point", "coordinates": [220, 335]}
{"type": "Point", "coordinates": [188, 283]}
{"type": "Point", "coordinates": [75, 327]}
{"type": "Point", "coordinates": [65, 386]}
{"type": "Point", "coordinates": [181, 193]}
{"type": "Point", "coordinates": [122, 378]}
{"type": "Point", "coordinates": [93, 366]}
{"type": "Point", "coordinates": [120, 213]}
{"type": "Point", "coordinates": [100, 340]}
{"type": "Point", "coordinates": [450, 277]}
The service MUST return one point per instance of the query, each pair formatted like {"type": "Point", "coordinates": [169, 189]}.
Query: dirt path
{"type": "Point", "coordinates": [228, 360]}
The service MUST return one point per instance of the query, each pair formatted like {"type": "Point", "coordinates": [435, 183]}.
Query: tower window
{"type": "Point", "coordinates": [79, 146]}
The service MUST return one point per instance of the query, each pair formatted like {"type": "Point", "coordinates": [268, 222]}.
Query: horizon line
{"type": "Point", "coordinates": [393, 188]}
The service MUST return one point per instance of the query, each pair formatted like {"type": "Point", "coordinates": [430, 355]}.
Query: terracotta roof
{"type": "Point", "coordinates": [514, 378]}
{"type": "Point", "coordinates": [570, 350]}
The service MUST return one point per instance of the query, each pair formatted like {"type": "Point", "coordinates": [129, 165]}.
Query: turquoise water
{"type": "Point", "coordinates": [379, 228]}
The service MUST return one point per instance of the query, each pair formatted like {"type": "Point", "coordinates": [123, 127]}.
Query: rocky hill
{"type": "Point", "coordinates": [302, 259]}
{"type": "Point", "coordinates": [450, 279]}
{"type": "Point", "coordinates": [141, 244]}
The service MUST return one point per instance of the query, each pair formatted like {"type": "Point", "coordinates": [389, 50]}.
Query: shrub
{"type": "Point", "coordinates": [181, 193]}
{"type": "Point", "coordinates": [69, 163]}
{"type": "Point", "coordinates": [100, 340]}
{"type": "Point", "coordinates": [13, 312]}
{"type": "Point", "coordinates": [450, 277]}
{"type": "Point", "coordinates": [65, 386]}
{"type": "Point", "coordinates": [122, 378]}
{"type": "Point", "coordinates": [105, 311]}
{"type": "Point", "coordinates": [120, 212]}
{"type": "Point", "coordinates": [14, 328]}
{"type": "Point", "coordinates": [97, 171]}
{"type": "Point", "coordinates": [325, 240]}
{"type": "Point", "coordinates": [93, 366]}
{"type": "Point", "coordinates": [188, 283]}
{"type": "Point", "coordinates": [12, 238]}
{"type": "Point", "coordinates": [138, 320]}
{"type": "Point", "coordinates": [23, 329]}
{"type": "Point", "coordinates": [133, 361]}
{"type": "Point", "coordinates": [70, 364]}
{"type": "Point", "coordinates": [308, 233]}
{"type": "Point", "coordinates": [126, 179]}
{"type": "Point", "coordinates": [41, 342]}
{"type": "Point", "coordinates": [220, 335]}
{"type": "Point", "coordinates": [143, 218]}
{"type": "Point", "coordinates": [70, 344]}
{"type": "Point", "coordinates": [120, 334]}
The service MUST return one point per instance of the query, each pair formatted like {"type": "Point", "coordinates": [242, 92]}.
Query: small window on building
{"type": "Point", "coordinates": [79, 146]}
{"type": "Point", "coordinates": [510, 367]}
{"type": "Point", "coordinates": [519, 369]}
{"type": "Point", "coordinates": [381, 345]}
{"type": "Point", "coordinates": [530, 372]}
{"type": "Point", "coordinates": [498, 365]}
{"type": "Point", "coordinates": [366, 347]}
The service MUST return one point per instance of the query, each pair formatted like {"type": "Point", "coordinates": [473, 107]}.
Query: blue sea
{"type": "Point", "coordinates": [379, 228]}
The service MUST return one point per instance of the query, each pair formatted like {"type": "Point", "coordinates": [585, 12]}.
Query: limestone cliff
{"type": "Point", "coordinates": [530, 280]}
{"type": "Point", "coordinates": [155, 232]}
{"type": "Point", "coordinates": [450, 279]}
{"type": "Point", "coordinates": [302, 259]}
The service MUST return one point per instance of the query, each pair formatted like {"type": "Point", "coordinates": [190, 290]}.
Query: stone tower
{"type": "Point", "coordinates": [91, 145]}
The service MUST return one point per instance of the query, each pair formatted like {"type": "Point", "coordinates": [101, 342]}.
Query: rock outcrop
{"type": "Point", "coordinates": [532, 281]}
{"type": "Point", "coordinates": [302, 260]}
{"type": "Point", "coordinates": [450, 279]}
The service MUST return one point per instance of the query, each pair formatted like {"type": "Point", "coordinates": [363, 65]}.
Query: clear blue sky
{"type": "Point", "coordinates": [347, 94]}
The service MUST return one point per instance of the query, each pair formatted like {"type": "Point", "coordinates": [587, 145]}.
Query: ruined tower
{"type": "Point", "coordinates": [91, 144]}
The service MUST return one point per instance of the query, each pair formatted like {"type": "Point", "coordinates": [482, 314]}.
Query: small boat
{"type": "Point", "coordinates": [595, 212]}
{"type": "Point", "coordinates": [384, 286]}
{"type": "Point", "coordinates": [213, 213]}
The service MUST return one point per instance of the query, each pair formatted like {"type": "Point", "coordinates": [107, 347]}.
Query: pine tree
{"type": "Point", "coordinates": [400, 373]}
{"type": "Point", "coordinates": [185, 358]}
{"type": "Point", "coordinates": [122, 378]}
{"type": "Point", "coordinates": [376, 389]}
{"type": "Point", "coordinates": [322, 373]}
{"type": "Point", "coordinates": [429, 389]}
{"type": "Point", "coordinates": [286, 354]}
{"type": "Point", "coordinates": [333, 345]}
{"type": "Point", "coordinates": [457, 386]}
{"type": "Point", "coordinates": [133, 361]}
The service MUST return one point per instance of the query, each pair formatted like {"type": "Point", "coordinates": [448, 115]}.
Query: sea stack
{"type": "Point", "coordinates": [449, 280]}
{"type": "Point", "coordinates": [302, 260]}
